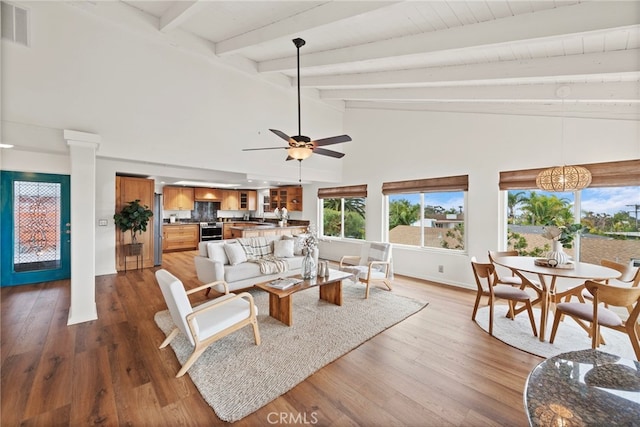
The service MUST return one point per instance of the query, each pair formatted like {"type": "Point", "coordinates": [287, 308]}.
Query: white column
{"type": "Point", "coordinates": [82, 153]}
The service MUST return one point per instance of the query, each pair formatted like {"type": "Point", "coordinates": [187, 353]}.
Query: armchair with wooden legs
{"type": "Point", "coordinates": [597, 315]}
{"type": "Point", "coordinates": [373, 265]}
{"type": "Point", "coordinates": [487, 285]}
{"type": "Point", "coordinates": [208, 322]}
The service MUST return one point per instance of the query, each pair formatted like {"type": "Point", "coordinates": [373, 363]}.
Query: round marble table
{"type": "Point", "coordinates": [584, 388]}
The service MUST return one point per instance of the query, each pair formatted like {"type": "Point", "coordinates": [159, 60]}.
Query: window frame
{"type": "Point", "coordinates": [448, 184]}
{"type": "Point", "coordinates": [340, 193]}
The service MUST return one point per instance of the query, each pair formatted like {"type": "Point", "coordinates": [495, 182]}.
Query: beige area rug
{"type": "Point", "coordinates": [236, 377]}
{"type": "Point", "coordinates": [570, 337]}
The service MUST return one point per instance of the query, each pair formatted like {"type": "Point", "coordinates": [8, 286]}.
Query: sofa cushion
{"type": "Point", "coordinates": [298, 243]}
{"type": "Point", "coordinates": [295, 262]}
{"type": "Point", "coordinates": [216, 252]}
{"type": "Point", "coordinates": [246, 270]}
{"type": "Point", "coordinates": [235, 253]}
{"type": "Point", "coordinates": [283, 248]}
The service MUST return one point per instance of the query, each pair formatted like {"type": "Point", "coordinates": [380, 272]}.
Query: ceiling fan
{"type": "Point", "coordinates": [300, 146]}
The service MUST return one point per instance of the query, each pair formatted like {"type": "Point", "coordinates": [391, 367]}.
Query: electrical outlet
{"type": "Point", "coordinates": [441, 269]}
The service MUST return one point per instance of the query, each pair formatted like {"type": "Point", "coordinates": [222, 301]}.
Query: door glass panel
{"type": "Point", "coordinates": [37, 207]}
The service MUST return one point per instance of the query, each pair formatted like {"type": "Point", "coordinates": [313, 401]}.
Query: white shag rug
{"type": "Point", "coordinates": [236, 377]}
{"type": "Point", "coordinates": [570, 337]}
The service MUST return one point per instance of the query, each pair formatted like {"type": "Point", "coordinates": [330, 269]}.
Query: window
{"type": "Point", "coordinates": [427, 212]}
{"type": "Point", "coordinates": [607, 210]}
{"type": "Point", "coordinates": [343, 211]}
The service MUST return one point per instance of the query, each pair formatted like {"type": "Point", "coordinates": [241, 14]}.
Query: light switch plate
{"type": "Point", "coordinates": [103, 222]}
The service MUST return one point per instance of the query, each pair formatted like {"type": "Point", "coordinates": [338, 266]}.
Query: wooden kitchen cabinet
{"type": "Point", "coordinates": [248, 200]}
{"type": "Point", "coordinates": [180, 237]}
{"type": "Point", "coordinates": [178, 198]}
{"type": "Point", "coordinates": [127, 190]}
{"type": "Point", "coordinates": [230, 200]}
{"type": "Point", "coordinates": [294, 199]}
{"type": "Point", "coordinates": [208, 194]}
{"type": "Point", "coordinates": [286, 197]}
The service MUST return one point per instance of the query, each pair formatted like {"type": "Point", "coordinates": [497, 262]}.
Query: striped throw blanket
{"type": "Point", "coordinates": [271, 265]}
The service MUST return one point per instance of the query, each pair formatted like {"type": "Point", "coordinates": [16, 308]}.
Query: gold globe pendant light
{"type": "Point", "coordinates": [563, 178]}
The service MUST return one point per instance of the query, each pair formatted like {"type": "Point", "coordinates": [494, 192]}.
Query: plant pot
{"type": "Point", "coordinates": [133, 249]}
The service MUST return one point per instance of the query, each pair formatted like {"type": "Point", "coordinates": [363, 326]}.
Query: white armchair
{"type": "Point", "coordinates": [373, 265]}
{"type": "Point", "coordinates": [207, 322]}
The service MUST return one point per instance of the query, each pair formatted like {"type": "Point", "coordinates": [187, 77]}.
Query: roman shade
{"type": "Point", "coordinates": [608, 174]}
{"type": "Point", "coordinates": [343, 192]}
{"type": "Point", "coordinates": [429, 185]}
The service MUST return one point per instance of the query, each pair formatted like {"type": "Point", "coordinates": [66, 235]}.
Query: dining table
{"type": "Point", "coordinates": [548, 276]}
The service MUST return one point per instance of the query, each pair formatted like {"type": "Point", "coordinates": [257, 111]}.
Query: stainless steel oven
{"type": "Point", "coordinates": [210, 231]}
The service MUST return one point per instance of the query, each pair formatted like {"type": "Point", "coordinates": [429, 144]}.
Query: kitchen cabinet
{"type": "Point", "coordinates": [180, 237]}
{"type": "Point", "coordinates": [178, 198]}
{"type": "Point", "coordinates": [294, 199]}
{"type": "Point", "coordinates": [248, 200]}
{"type": "Point", "coordinates": [229, 200]}
{"type": "Point", "coordinates": [286, 197]}
{"type": "Point", "coordinates": [127, 190]}
{"type": "Point", "coordinates": [207, 194]}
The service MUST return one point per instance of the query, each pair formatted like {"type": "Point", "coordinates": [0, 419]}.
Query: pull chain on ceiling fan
{"type": "Point", "coordinates": [301, 146]}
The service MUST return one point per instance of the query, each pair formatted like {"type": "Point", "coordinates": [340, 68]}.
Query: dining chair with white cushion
{"type": "Point", "coordinates": [207, 322]}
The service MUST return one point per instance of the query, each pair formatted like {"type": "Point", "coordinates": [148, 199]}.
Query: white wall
{"type": "Point", "coordinates": [167, 110]}
{"type": "Point", "coordinates": [397, 145]}
{"type": "Point", "coordinates": [151, 101]}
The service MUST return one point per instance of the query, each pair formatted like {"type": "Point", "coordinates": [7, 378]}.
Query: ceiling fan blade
{"type": "Point", "coordinates": [265, 148]}
{"type": "Point", "coordinates": [331, 140]}
{"type": "Point", "coordinates": [281, 134]}
{"type": "Point", "coordinates": [289, 158]}
{"type": "Point", "coordinates": [330, 153]}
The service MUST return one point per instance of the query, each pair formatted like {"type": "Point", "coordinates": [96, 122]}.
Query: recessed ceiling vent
{"type": "Point", "coordinates": [15, 24]}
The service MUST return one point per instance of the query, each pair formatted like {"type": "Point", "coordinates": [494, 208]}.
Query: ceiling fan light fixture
{"type": "Point", "coordinates": [299, 153]}
{"type": "Point", "coordinates": [564, 178]}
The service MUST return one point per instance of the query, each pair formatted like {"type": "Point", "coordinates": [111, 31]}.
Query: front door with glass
{"type": "Point", "coordinates": [35, 221]}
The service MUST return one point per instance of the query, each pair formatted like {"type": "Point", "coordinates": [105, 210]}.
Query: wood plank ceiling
{"type": "Point", "coordinates": [502, 57]}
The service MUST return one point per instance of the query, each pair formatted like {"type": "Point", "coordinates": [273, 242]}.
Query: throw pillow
{"type": "Point", "coordinates": [298, 244]}
{"type": "Point", "coordinates": [283, 248]}
{"type": "Point", "coordinates": [216, 252]}
{"type": "Point", "coordinates": [235, 253]}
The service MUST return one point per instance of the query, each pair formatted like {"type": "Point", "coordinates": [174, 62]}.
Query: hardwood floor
{"type": "Point", "coordinates": [437, 368]}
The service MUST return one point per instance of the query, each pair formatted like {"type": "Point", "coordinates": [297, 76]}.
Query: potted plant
{"type": "Point", "coordinates": [134, 217]}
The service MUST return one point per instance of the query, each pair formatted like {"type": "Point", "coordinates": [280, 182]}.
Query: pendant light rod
{"type": "Point", "coordinates": [299, 43]}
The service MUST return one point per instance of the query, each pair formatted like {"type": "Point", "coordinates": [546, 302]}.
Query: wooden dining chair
{"type": "Point", "coordinates": [597, 315]}
{"type": "Point", "coordinates": [486, 281]}
{"type": "Point", "coordinates": [629, 276]}
{"type": "Point", "coordinates": [513, 279]}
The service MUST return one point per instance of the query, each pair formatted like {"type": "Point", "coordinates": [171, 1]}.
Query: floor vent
{"type": "Point", "coordinates": [15, 23]}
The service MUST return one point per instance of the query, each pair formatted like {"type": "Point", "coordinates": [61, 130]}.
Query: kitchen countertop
{"type": "Point", "coordinates": [264, 227]}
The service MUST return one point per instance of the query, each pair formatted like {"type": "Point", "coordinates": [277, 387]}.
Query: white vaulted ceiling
{"type": "Point", "coordinates": [503, 57]}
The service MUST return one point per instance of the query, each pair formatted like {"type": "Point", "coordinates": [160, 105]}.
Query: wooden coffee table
{"type": "Point", "coordinates": [281, 301]}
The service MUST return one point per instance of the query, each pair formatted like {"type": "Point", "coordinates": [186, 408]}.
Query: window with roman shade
{"type": "Point", "coordinates": [343, 211]}
{"type": "Point", "coordinates": [607, 209]}
{"type": "Point", "coordinates": [427, 212]}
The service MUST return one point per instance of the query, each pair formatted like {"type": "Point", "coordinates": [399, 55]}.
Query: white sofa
{"type": "Point", "coordinates": [213, 262]}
